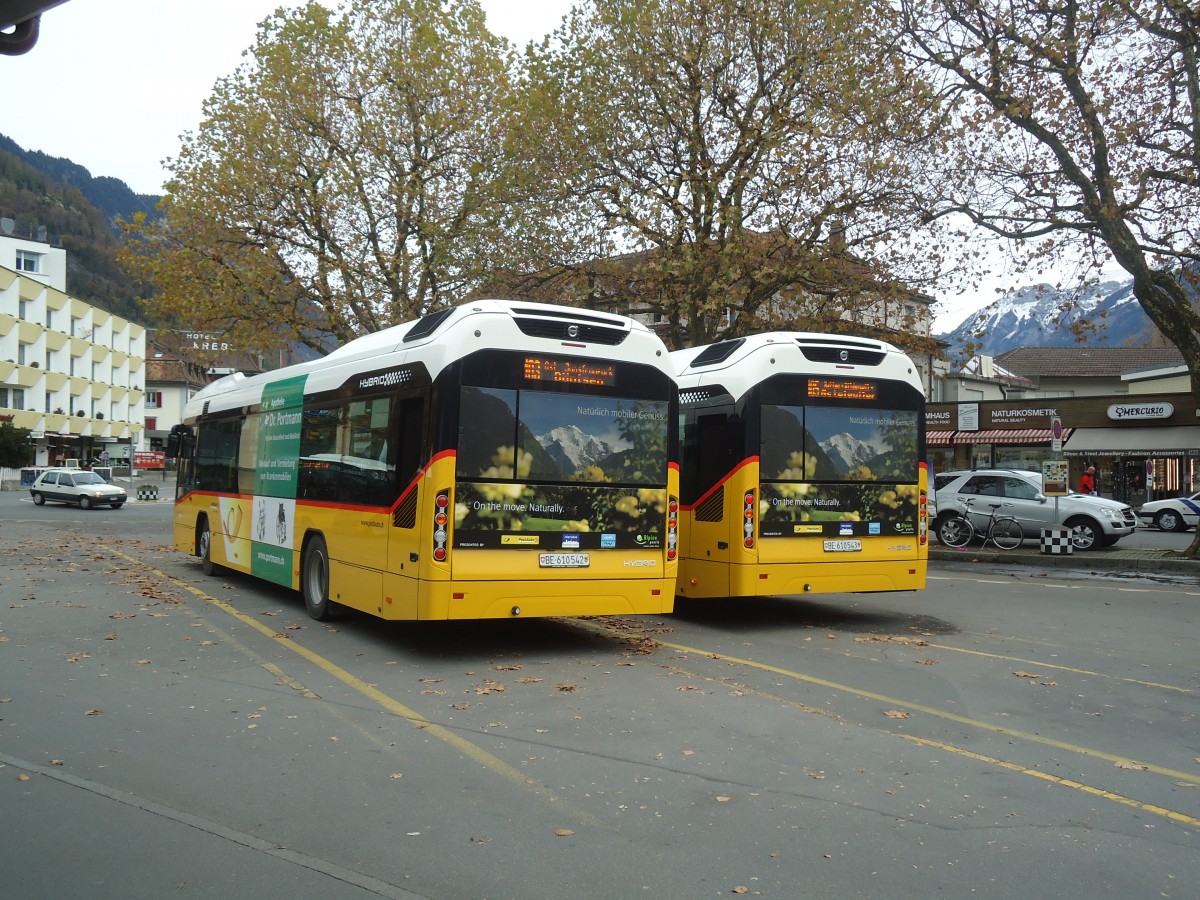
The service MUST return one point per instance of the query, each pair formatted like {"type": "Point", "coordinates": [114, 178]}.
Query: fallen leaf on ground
{"type": "Point", "coordinates": [896, 714]}
{"type": "Point", "coordinates": [563, 832]}
{"type": "Point", "coordinates": [1027, 674]}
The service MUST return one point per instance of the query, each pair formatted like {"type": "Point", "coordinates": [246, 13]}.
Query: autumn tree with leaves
{"type": "Point", "coordinates": [341, 180]}
{"type": "Point", "coordinates": [1079, 122]}
{"type": "Point", "coordinates": [754, 161]}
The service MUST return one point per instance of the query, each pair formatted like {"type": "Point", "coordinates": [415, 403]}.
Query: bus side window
{"type": "Point", "coordinates": [217, 455]}
{"type": "Point", "coordinates": [366, 474]}
{"type": "Point", "coordinates": [317, 478]}
{"type": "Point", "coordinates": [410, 436]}
{"type": "Point", "coordinates": [714, 450]}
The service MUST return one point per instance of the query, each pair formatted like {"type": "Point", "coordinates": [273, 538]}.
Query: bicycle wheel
{"type": "Point", "coordinates": [1006, 534]}
{"type": "Point", "coordinates": [955, 531]}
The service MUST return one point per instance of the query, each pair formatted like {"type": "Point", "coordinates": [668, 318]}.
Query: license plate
{"type": "Point", "coordinates": [564, 560]}
{"type": "Point", "coordinates": [842, 546]}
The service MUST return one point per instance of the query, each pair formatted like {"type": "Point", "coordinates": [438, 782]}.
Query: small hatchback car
{"type": "Point", "coordinates": [76, 486]}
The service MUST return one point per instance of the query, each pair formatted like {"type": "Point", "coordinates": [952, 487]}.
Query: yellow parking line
{"type": "Point", "coordinates": [474, 751]}
{"type": "Point", "coordinates": [901, 704]}
{"type": "Point", "coordinates": [1065, 782]}
{"type": "Point", "coordinates": [1046, 665]}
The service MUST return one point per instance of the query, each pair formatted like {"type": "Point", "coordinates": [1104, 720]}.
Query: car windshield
{"type": "Point", "coordinates": [88, 478]}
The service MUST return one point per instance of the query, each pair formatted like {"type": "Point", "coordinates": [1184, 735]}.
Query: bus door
{"type": "Point", "coordinates": [405, 545]}
{"type": "Point", "coordinates": [712, 503]}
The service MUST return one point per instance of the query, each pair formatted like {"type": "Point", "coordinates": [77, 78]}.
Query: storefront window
{"type": "Point", "coordinates": [1027, 458]}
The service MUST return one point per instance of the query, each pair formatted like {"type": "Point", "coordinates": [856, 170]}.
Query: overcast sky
{"type": "Point", "coordinates": [111, 84]}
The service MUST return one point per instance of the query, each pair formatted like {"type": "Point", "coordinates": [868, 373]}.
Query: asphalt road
{"type": "Point", "coordinates": [1003, 733]}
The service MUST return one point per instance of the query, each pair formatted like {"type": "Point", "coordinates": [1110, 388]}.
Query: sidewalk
{"type": "Point", "coordinates": [1144, 562]}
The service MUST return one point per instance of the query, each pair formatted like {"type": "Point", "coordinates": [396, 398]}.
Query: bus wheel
{"type": "Point", "coordinates": [204, 549]}
{"type": "Point", "coordinates": [314, 580]}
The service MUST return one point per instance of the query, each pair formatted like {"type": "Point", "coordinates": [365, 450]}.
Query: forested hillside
{"type": "Point", "coordinates": [34, 198]}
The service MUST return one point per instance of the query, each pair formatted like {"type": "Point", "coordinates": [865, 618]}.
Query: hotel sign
{"type": "Point", "coordinates": [1121, 412]}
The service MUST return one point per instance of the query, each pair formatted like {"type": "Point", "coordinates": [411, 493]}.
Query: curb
{"type": "Point", "coordinates": [1140, 561]}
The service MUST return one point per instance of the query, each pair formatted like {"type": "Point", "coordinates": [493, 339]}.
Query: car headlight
{"type": "Point", "coordinates": [1114, 514]}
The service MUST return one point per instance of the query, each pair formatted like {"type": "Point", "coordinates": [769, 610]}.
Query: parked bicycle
{"type": "Point", "coordinates": [959, 531]}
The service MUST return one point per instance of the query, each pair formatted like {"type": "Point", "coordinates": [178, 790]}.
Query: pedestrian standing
{"type": "Point", "coordinates": [1087, 481]}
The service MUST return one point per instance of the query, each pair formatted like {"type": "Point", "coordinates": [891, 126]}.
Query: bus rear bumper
{"type": "Point", "coordinates": [858, 576]}
{"type": "Point", "coordinates": [709, 580]}
{"type": "Point", "coordinates": [529, 599]}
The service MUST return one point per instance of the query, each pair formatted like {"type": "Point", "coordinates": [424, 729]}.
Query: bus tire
{"type": "Point", "coordinates": [314, 579]}
{"type": "Point", "coordinates": [204, 548]}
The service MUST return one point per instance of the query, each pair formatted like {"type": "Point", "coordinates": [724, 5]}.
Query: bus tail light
{"type": "Point", "coordinates": [748, 511]}
{"type": "Point", "coordinates": [923, 519]}
{"type": "Point", "coordinates": [441, 518]}
{"type": "Point", "coordinates": [672, 528]}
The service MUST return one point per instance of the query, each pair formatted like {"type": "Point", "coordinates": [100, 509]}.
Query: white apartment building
{"type": "Point", "coordinates": [73, 374]}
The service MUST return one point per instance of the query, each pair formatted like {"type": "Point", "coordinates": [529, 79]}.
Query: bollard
{"type": "Point", "coordinates": [1057, 541]}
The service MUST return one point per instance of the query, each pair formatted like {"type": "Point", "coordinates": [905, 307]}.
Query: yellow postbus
{"type": "Point", "coordinates": [802, 467]}
{"type": "Point", "coordinates": [496, 459]}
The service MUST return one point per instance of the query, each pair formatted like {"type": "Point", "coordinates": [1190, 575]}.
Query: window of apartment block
{"type": "Point", "coordinates": [4, 398]}
{"type": "Point", "coordinates": [47, 401]}
{"type": "Point", "coordinates": [21, 354]}
{"type": "Point", "coordinates": [151, 423]}
{"type": "Point", "coordinates": [28, 261]}
{"type": "Point", "coordinates": [23, 309]}
{"type": "Point", "coordinates": [153, 399]}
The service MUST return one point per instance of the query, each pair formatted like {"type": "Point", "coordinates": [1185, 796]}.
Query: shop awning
{"type": "Point", "coordinates": [1008, 436]}
{"type": "Point", "coordinates": [934, 438]}
{"type": "Point", "coordinates": [1171, 440]}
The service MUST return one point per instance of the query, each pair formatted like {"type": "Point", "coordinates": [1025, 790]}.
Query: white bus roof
{"type": "Point", "coordinates": [740, 363]}
{"type": "Point", "coordinates": [445, 336]}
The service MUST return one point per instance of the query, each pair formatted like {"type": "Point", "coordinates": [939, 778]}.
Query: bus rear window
{"type": "Point", "coordinates": [834, 443]}
{"type": "Point", "coordinates": [561, 437]}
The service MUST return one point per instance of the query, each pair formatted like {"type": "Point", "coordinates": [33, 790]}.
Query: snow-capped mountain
{"type": "Point", "coordinates": [850, 451]}
{"type": "Point", "coordinates": [572, 449]}
{"type": "Point", "coordinates": [1105, 314]}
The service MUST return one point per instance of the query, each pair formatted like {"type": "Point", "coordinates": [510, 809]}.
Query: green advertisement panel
{"type": "Point", "coordinates": [274, 513]}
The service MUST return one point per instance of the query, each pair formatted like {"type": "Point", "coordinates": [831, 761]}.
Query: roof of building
{"type": "Point", "coordinates": [976, 368]}
{"type": "Point", "coordinates": [1085, 362]}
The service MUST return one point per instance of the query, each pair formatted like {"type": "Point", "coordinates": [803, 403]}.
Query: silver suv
{"type": "Point", "coordinates": [1094, 521]}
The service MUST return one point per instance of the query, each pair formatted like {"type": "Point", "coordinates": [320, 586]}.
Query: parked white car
{"type": "Point", "coordinates": [76, 486]}
{"type": "Point", "coordinates": [1177, 514]}
{"type": "Point", "coordinates": [1094, 521]}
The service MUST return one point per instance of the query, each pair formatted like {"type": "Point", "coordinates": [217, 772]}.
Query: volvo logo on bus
{"type": "Point", "coordinates": [572, 331]}
{"type": "Point", "coordinates": [843, 355]}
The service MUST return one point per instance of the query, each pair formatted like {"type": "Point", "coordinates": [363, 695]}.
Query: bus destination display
{"type": "Point", "coordinates": [569, 371]}
{"type": "Point", "coordinates": [840, 389]}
